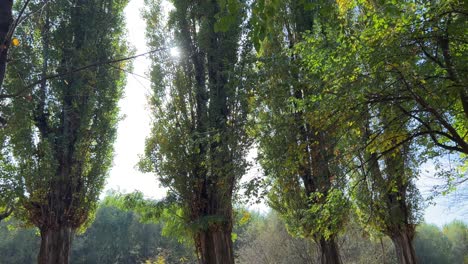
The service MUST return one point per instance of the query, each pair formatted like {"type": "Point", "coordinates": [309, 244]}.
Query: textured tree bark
{"type": "Point", "coordinates": [329, 252]}
{"type": "Point", "coordinates": [216, 246]}
{"type": "Point", "coordinates": [55, 245]}
{"type": "Point", "coordinates": [213, 242]}
{"type": "Point", "coordinates": [6, 19]}
{"type": "Point", "coordinates": [404, 247]}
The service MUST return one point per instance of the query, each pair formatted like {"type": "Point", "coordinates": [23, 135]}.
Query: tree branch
{"type": "Point", "coordinates": [58, 75]}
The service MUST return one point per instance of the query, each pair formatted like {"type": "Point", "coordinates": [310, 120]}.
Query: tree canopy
{"type": "Point", "coordinates": [346, 103]}
{"type": "Point", "coordinates": [61, 132]}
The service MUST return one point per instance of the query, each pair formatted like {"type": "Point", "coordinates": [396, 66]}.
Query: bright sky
{"type": "Point", "coordinates": [135, 127]}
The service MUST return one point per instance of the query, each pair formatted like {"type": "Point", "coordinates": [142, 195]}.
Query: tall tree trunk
{"type": "Point", "coordinates": [329, 251]}
{"type": "Point", "coordinates": [6, 19]}
{"type": "Point", "coordinates": [214, 242]}
{"type": "Point", "coordinates": [404, 247]}
{"type": "Point", "coordinates": [55, 245]}
{"type": "Point", "coordinates": [216, 245]}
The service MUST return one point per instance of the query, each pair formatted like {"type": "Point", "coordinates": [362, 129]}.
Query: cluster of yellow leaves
{"type": "Point", "coordinates": [344, 5]}
{"type": "Point", "coordinates": [387, 141]}
{"type": "Point", "coordinates": [15, 42]}
{"type": "Point", "coordinates": [159, 260]}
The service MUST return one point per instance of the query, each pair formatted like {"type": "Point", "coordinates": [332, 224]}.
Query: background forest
{"type": "Point", "coordinates": [332, 113]}
{"type": "Point", "coordinates": [119, 236]}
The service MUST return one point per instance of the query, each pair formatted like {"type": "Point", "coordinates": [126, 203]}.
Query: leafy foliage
{"type": "Point", "coordinates": [432, 246]}
{"type": "Point", "coordinates": [298, 141]}
{"type": "Point", "coordinates": [60, 135]}
{"type": "Point", "coordinates": [116, 236]}
{"type": "Point", "coordinates": [198, 142]}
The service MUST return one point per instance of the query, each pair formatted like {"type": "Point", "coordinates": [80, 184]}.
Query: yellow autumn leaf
{"type": "Point", "coordinates": [15, 42]}
{"type": "Point", "coordinates": [344, 5]}
{"type": "Point", "coordinates": [245, 218]}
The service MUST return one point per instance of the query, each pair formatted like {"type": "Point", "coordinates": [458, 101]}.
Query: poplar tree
{"type": "Point", "coordinates": [198, 143]}
{"type": "Point", "coordinates": [399, 65]}
{"type": "Point", "coordinates": [6, 22]}
{"type": "Point", "coordinates": [61, 132]}
{"type": "Point", "coordinates": [298, 137]}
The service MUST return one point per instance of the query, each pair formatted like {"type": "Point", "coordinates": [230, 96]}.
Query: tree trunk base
{"type": "Point", "coordinates": [329, 252]}
{"type": "Point", "coordinates": [216, 246]}
{"type": "Point", "coordinates": [404, 248]}
{"type": "Point", "coordinates": [55, 245]}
